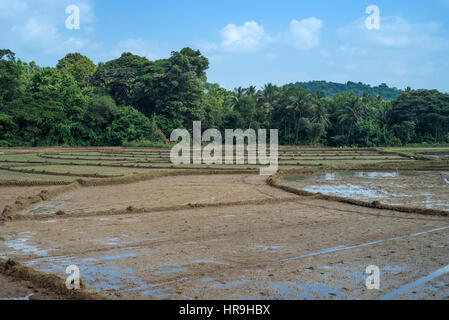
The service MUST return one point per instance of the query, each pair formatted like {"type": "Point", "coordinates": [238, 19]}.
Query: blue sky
{"type": "Point", "coordinates": [247, 42]}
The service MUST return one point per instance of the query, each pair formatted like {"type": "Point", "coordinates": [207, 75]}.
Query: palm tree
{"type": "Point", "coordinates": [350, 115]}
{"type": "Point", "coordinates": [236, 97]}
{"type": "Point", "coordinates": [320, 115]}
{"type": "Point", "coordinates": [268, 97]}
{"type": "Point", "coordinates": [251, 91]}
{"type": "Point", "coordinates": [383, 112]}
{"type": "Point", "coordinates": [301, 103]}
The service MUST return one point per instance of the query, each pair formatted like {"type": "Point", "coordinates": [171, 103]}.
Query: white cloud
{"type": "Point", "coordinates": [47, 38]}
{"type": "Point", "coordinates": [305, 34]}
{"type": "Point", "coordinates": [400, 53]}
{"type": "Point", "coordinates": [33, 27]}
{"type": "Point", "coordinates": [35, 31]}
{"type": "Point", "coordinates": [248, 37]}
{"type": "Point", "coordinates": [251, 36]}
{"type": "Point", "coordinates": [395, 32]}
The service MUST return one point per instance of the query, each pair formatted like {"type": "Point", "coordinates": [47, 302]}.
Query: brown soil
{"type": "Point", "coordinates": [162, 192]}
{"type": "Point", "coordinates": [8, 195]}
{"type": "Point", "coordinates": [23, 290]}
{"type": "Point", "coordinates": [301, 248]}
{"type": "Point", "coordinates": [227, 234]}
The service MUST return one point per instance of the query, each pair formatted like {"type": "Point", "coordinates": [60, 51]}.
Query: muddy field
{"type": "Point", "coordinates": [225, 235]}
{"type": "Point", "coordinates": [161, 192]}
{"type": "Point", "coordinates": [425, 189]}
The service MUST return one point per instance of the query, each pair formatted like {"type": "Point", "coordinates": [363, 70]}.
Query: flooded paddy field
{"type": "Point", "coordinates": [427, 189]}
{"type": "Point", "coordinates": [211, 233]}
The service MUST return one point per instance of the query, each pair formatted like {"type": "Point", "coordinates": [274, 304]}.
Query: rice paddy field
{"type": "Point", "coordinates": [139, 227]}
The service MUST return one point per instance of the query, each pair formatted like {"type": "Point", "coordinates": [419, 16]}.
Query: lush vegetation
{"type": "Point", "coordinates": [330, 89]}
{"type": "Point", "coordinates": [133, 101]}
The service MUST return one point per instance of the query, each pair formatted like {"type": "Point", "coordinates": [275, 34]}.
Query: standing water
{"type": "Point", "coordinates": [422, 189]}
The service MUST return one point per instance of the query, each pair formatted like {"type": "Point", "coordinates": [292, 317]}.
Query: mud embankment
{"type": "Point", "coordinates": [50, 282]}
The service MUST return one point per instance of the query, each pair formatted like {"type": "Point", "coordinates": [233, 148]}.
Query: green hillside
{"type": "Point", "coordinates": [332, 88]}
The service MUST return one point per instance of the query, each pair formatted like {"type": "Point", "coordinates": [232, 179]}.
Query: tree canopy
{"type": "Point", "coordinates": [134, 100]}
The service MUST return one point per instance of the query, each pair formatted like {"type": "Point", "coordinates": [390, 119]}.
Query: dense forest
{"type": "Point", "coordinates": [330, 89]}
{"type": "Point", "coordinates": [132, 101]}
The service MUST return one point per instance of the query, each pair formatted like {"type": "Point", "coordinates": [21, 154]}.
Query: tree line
{"type": "Point", "coordinates": [134, 101]}
{"type": "Point", "coordinates": [330, 89]}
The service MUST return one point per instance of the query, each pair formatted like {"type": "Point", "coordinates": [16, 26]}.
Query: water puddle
{"type": "Point", "coordinates": [299, 290]}
{"type": "Point", "coordinates": [117, 257]}
{"type": "Point", "coordinates": [406, 288]}
{"type": "Point", "coordinates": [423, 189]}
{"type": "Point", "coordinates": [339, 175]}
{"type": "Point", "coordinates": [347, 191]}
{"type": "Point", "coordinates": [22, 245]}
{"type": "Point", "coordinates": [343, 277]}
{"type": "Point", "coordinates": [21, 298]}
{"type": "Point", "coordinates": [267, 248]}
{"type": "Point", "coordinates": [366, 244]}
{"type": "Point", "coordinates": [99, 273]}
{"type": "Point", "coordinates": [167, 268]}
{"type": "Point", "coordinates": [46, 207]}
{"type": "Point", "coordinates": [445, 178]}
{"type": "Point", "coordinates": [116, 241]}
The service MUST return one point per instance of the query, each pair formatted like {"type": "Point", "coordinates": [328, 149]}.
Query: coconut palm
{"type": "Point", "coordinates": [320, 114]}
{"type": "Point", "coordinates": [301, 104]}
{"type": "Point", "coordinates": [350, 115]}
{"type": "Point", "coordinates": [251, 91]}
{"type": "Point", "coordinates": [268, 97]}
{"type": "Point", "coordinates": [235, 98]}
